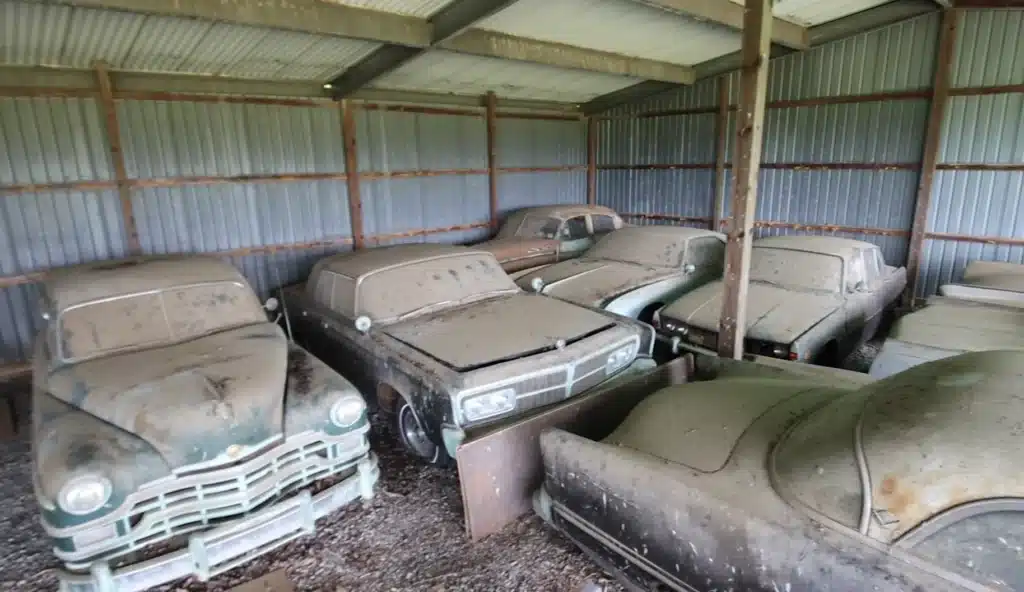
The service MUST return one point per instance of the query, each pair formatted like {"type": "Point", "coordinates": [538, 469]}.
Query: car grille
{"type": "Point", "coordinates": [176, 506]}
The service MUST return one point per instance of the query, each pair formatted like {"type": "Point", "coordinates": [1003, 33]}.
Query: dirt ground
{"type": "Point", "coordinates": [410, 537]}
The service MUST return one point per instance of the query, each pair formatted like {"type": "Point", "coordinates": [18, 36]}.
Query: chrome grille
{"type": "Point", "coordinates": [183, 504]}
{"type": "Point", "coordinates": [590, 372]}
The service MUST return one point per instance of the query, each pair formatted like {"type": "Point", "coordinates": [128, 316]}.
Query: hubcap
{"type": "Point", "coordinates": [415, 436]}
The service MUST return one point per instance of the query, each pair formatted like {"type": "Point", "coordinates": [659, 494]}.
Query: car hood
{"type": "Point", "coordinates": [477, 335]}
{"type": "Point", "coordinates": [516, 253]}
{"type": "Point", "coordinates": [774, 314]}
{"type": "Point", "coordinates": [193, 402]}
{"type": "Point", "coordinates": [962, 326]}
{"type": "Point", "coordinates": [591, 281]}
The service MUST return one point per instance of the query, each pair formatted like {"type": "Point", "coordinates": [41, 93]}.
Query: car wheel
{"type": "Point", "coordinates": [415, 438]}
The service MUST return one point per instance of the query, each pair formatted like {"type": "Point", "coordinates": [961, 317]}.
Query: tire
{"type": "Point", "coordinates": [414, 438]}
{"type": "Point", "coordinates": [828, 356]}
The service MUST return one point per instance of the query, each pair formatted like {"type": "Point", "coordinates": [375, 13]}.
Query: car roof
{"type": "Point", "coordinates": [356, 264]}
{"type": "Point", "coordinates": [70, 286]}
{"type": "Point", "coordinates": [830, 245]}
{"type": "Point", "coordinates": [564, 211]}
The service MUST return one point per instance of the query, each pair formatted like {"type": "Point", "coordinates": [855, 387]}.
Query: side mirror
{"type": "Point", "coordinates": [537, 284]}
{"type": "Point", "coordinates": [689, 268]}
{"type": "Point", "coordinates": [363, 323]}
{"type": "Point", "coordinates": [271, 304]}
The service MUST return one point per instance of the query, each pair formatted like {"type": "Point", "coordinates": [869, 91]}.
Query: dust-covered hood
{"type": "Point", "coordinates": [962, 326]}
{"type": "Point", "coordinates": [773, 314]}
{"type": "Point", "coordinates": [516, 253]}
{"type": "Point", "coordinates": [191, 401]}
{"type": "Point", "coordinates": [492, 331]}
{"type": "Point", "coordinates": [590, 281]}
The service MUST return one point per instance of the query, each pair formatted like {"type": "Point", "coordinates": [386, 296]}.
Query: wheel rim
{"type": "Point", "coordinates": [414, 435]}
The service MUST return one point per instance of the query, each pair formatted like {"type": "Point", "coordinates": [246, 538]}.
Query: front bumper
{"type": "Point", "coordinates": [220, 549]}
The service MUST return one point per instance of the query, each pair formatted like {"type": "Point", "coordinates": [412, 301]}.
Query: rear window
{"type": "Point", "coordinates": [154, 318]}
{"type": "Point", "coordinates": [539, 227]}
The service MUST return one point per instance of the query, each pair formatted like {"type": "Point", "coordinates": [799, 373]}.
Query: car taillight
{"type": "Point", "coordinates": [793, 356]}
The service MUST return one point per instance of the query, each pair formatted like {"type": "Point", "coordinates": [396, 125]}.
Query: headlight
{"type": "Point", "coordinates": [619, 359]}
{"type": "Point", "coordinates": [84, 494]}
{"type": "Point", "coordinates": [486, 405]}
{"type": "Point", "coordinates": [347, 411]}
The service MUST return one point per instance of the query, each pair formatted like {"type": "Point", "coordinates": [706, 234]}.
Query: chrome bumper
{"type": "Point", "coordinates": [220, 549]}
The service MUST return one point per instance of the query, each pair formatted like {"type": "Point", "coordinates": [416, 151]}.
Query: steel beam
{"type": "Point", "coordinates": [930, 153]}
{"type": "Point", "coordinates": [721, 158]}
{"type": "Point", "coordinates": [730, 15]}
{"type": "Point", "coordinates": [354, 198]}
{"type": "Point", "coordinates": [757, 23]}
{"type": "Point", "coordinates": [492, 158]}
{"type": "Point", "coordinates": [131, 231]}
{"type": "Point", "coordinates": [592, 132]}
{"type": "Point", "coordinates": [453, 19]}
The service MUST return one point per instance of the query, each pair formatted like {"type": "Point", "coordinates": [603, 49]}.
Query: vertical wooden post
{"type": "Point", "coordinates": [355, 201]}
{"type": "Point", "coordinates": [757, 22]}
{"type": "Point", "coordinates": [131, 231]}
{"type": "Point", "coordinates": [930, 154]}
{"type": "Point", "coordinates": [591, 161]}
{"type": "Point", "coordinates": [721, 132]}
{"type": "Point", "coordinates": [491, 102]}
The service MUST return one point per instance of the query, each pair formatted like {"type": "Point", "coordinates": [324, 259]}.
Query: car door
{"type": "Point", "coordinates": [575, 237]}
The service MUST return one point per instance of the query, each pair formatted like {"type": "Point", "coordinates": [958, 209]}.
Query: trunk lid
{"type": "Point", "coordinates": [591, 281]}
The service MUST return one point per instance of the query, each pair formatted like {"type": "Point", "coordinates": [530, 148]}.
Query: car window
{"type": "Point", "coordinates": [602, 224]}
{"type": "Point", "coordinates": [987, 547]}
{"type": "Point", "coordinates": [575, 228]}
{"type": "Point", "coordinates": [344, 299]}
{"type": "Point", "coordinates": [883, 269]}
{"type": "Point", "coordinates": [873, 272]}
{"type": "Point", "coordinates": [801, 270]}
{"type": "Point", "coordinates": [855, 271]}
{"type": "Point", "coordinates": [706, 251]}
{"type": "Point", "coordinates": [539, 227]}
{"type": "Point", "coordinates": [156, 318]}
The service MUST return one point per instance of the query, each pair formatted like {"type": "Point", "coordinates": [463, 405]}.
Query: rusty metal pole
{"type": "Point", "coordinates": [491, 102]}
{"type": "Point", "coordinates": [930, 154]}
{"type": "Point", "coordinates": [591, 161]}
{"type": "Point", "coordinates": [131, 231]}
{"type": "Point", "coordinates": [355, 201]}
{"type": "Point", "coordinates": [757, 22]}
{"type": "Point", "coordinates": [721, 133]}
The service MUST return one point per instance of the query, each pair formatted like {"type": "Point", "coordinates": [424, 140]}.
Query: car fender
{"type": "Point", "coordinates": [633, 302]}
{"type": "Point", "coordinates": [831, 327]}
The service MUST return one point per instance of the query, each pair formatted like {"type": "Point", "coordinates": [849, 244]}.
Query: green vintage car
{"type": "Point", "coordinates": [177, 431]}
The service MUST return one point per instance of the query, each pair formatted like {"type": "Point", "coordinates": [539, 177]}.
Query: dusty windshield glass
{"type": "Point", "coordinates": [633, 245]}
{"type": "Point", "coordinates": [796, 269]}
{"type": "Point", "coordinates": [538, 227]}
{"type": "Point", "coordinates": [430, 285]}
{"type": "Point", "coordinates": [149, 319]}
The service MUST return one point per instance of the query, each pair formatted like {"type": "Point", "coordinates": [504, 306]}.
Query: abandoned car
{"type": "Point", "coordinates": [985, 310]}
{"type": "Point", "coordinates": [176, 430]}
{"type": "Point", "coordinates": [769, 484]}
{"type": "Point", "coordinates": [449, 342]}
{"type": "Point", "coordinates": [634, 271]}
{"type": "Point", "coordinates": [811, 299]}
{"type": "Point", "coordinates": [532, 237]}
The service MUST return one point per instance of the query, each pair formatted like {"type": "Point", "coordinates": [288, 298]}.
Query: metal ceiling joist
{"type": "Point", "coordinates": [866, 20]}
{"type": "Point", "coordinates": [730, 15]}
{"type": "Point", "coordinates": [451, 20]}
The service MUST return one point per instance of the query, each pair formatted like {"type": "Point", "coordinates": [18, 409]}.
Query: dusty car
{"type": "Point", "coordinates": [532, 237]}
{"type": "Point", "coordinates": [985, 310]}
{"type": "Point", "coordinates": [448, 342]}
{"type": "Point", "coordinates": [176, 431]}
{"type": "Point", "coordinates": [634, 271]}
{"type": "Point", "coordinates": [768, 484]}
{"type": "Point", "coordinates": [811, 299]}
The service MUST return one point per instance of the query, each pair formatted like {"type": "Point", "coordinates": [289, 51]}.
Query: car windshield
{"type": "Point", "coordinates": [425, 286]}
{"type": "Point", "coordinates": [633, 245]}
{"type": "Point", "coordinates": [802, 270]}
{"type": "Point", "coordinates": [148, 319]}
{"type": "Point", "coordinates": [538, 227]}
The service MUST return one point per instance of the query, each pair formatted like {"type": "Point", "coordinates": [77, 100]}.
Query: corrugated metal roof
{"type": "Point", "coordinates": [50, 35]}
{"type": "Point", "coordinates": [420, 8]}
{"type": "Point", "coordinates": [620, 26]}
{"type": "Point", "coordinates": [989, 49]}
{"type": "Point", "coordinates": [449, 72]}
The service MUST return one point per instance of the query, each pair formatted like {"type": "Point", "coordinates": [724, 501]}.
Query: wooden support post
{"type": "Point", "coordinates": [721, 159]}
{"type": "Point", "coordinates": [930, 154]}
{"type": "Point", "coordinates": [492, 156]}
{"type": "Point", "coordinates": [355, 201]}
{"type": "Point", "coordinates": [131, 231]}
{"type": "Point", "coordinates": [757, 22]}
{"type": "Point", "coordinates": [591, 161]}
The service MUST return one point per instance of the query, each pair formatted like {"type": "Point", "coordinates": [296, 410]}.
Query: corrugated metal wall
{"type": "Point", "coordinates": [985, 129]}
{"type": "Point", "coordinates": [420, 172]}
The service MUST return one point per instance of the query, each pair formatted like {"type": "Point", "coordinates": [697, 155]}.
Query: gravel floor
{"type": "Point", "coordinates": [409, 538]}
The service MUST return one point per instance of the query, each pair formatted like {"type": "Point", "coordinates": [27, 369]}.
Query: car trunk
{"type": "Point", "coordinates": [590, 281]}
{"type": "Point", "coordinates": [518, 253]}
